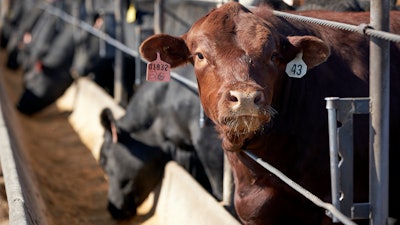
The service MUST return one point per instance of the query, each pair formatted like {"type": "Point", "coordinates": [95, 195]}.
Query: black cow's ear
{"type": "Point", "coordinates": [172, 50]}
{"type": "Point", "coordinates": [315, 51]}
{"type": "Point", "coordinates": [106, 118]}
{"type": "Point", "coordinates": [108, 121]}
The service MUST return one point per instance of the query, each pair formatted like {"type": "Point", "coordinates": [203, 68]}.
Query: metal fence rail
{"type": "Point", "coordinates": [14, 188]}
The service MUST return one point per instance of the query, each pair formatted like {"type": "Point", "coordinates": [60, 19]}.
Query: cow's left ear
{"type": "Point", "coordinates": [172, 50]}
{"type": "Point", "coordinates": [315, 51]}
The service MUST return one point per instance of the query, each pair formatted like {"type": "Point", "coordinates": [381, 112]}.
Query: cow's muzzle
{"type": "Point", "coordinates": [246, 101]}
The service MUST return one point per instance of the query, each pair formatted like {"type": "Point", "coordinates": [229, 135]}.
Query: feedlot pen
{"type": "Point", "coordinates": [55, 154]}
{"type": "Point", "coordinates": [66, 175]}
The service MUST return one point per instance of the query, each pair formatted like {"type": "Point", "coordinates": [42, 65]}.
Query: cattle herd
{"type": "Point", "coordinates": [252, 100]}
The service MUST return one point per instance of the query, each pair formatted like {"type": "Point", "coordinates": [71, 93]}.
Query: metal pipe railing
{"type": "Point", "coordinates": [333, 152]}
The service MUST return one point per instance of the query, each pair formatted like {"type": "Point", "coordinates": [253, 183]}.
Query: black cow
{"type": "Point", "coordinates": [20, 35]}
{"type": "Point", "coordinates": [133, 168]}
{"type": "Point", "coordinates": [38, 42]}
{"type": "Point", "coordinates": [11, 14]}
{"type": "Point", "coordinates": [165, 116]}
{"type": "Point", "coordinates": [50, 61]}
{"type": "Point", "coordinates": [48, 79]}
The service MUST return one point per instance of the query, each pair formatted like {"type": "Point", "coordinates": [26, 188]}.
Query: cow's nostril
{"type": "Point", "coordinates": [232, 96]}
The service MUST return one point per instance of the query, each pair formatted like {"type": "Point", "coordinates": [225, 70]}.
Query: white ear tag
{"type": "Point", "coordinates": [158, 70]}
{"type": "Point", "coordinates": [297, 68]}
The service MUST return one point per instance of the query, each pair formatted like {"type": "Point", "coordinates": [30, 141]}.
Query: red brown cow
{"type": "Point", "coordinates": [240, 59]}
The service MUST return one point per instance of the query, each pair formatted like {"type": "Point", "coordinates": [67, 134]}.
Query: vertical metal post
{"type": "Point", "coordinates": [333, 152]}
{"type": "Point", "coordinates": [379, 130]}
{"type": "Point", "coordinates": [75, 12]}
{"type": "Point", "coordinates": [227, 193]}
{"type": "Point", "coordinates": [158, 16]}
{"type": "Point", "coordinates": [138, 60]}
{"type": "Point", "coordinates": [120, 94]}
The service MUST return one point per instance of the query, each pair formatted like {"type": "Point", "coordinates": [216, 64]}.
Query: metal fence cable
{"type": "Point", "coordinates": [361, 29]}
{"type": "Point", "coordinates": [336, 213]}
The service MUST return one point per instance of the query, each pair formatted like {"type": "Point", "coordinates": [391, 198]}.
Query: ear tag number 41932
{"type": "Point", "coordinates": [158, 70]}
{"type": "Point", "coordinates": [297, 68]}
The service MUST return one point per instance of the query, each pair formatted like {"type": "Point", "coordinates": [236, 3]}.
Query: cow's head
{"type": "Point", "coordinates": [133, 168]}
{"type": "Point", "coordinates": [42, 87]}
{"type": "Point", "coordinates": [239, 60]}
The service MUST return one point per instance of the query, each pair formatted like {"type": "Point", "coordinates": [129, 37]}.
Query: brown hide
{"type": "Point", "coordinates": [240, 58]}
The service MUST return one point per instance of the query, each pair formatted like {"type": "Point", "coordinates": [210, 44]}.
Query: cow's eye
{"type": "Point", "coordinates": [199, 55]}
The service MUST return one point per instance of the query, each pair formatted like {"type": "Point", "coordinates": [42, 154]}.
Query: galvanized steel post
{"type": "Point", "coordinates": [379, 103]}
{"type": "Point", "coordinates": [120, 93]}
{"type": "Point", "coordinates": [158, 16]}
{"type": "Point", "coordinates": [333, 152]}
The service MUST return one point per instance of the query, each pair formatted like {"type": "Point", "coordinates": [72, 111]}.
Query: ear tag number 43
{"type": "Point", "coordinates": [158, 70]}
{"type": "Point", "coordinates": [296, 68]}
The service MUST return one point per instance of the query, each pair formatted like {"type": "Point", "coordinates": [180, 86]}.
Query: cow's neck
{"type": "Point", "coordinates": [248, 174]}
{"type": "Point", "coordinates": [278, 149]}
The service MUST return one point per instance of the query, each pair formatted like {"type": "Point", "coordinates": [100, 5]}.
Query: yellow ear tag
{"type": "Point", "coordinates": [131, 14]}
{"type": "Point", "coordinates": [158, 70]}
{"type": "Point", "coordinates": [296, 68]}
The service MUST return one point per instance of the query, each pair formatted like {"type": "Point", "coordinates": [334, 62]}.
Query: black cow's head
{"type": "Point", "coordinates": [42, 87]}
{"type": "Point", "coordinates": [132, 167]}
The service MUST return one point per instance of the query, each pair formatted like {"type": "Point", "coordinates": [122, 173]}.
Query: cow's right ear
{"type": "Point", "coordinates": [172, 50]}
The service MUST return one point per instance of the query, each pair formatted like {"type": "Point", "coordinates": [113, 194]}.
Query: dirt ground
{"type": "Point", "coordinates": [71, 183]}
